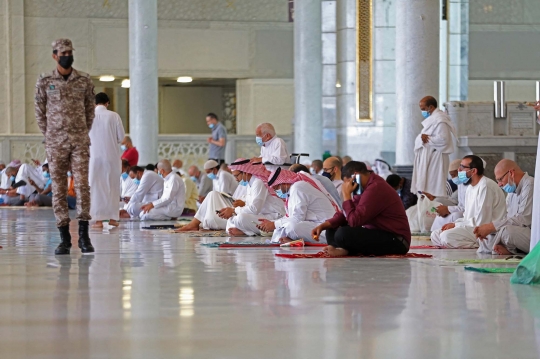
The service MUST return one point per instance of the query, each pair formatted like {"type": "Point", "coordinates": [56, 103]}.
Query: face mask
{"type": "Point", "coordinates": [312, 171]}
{"type": "Point", "coordinates": [211, 125]}
{"type": "Point", "coordinates": [65, 61]}
{"type": "Point", "coordinates": [193, 178]}
{"type": "Point", "coordinates": [123, 147]}
{"type": "Point", "coordinates": [160, 175]}
{"type": "Point", "coordinates": [124, 176]}
{"type": "Point", "coordinates": [462, 176]}
{"type": "Point", "coordinates": [212, 176]}
{"type": "Point", "coordinates": [69, 173]}
{"type": "Point", "coordinates": [327, 175]}
{"type": "Point", "coordinates": [510, 188]}
{"type": "Point", "coordinates": [137, 182]}
{"type": "Point", "coordinates": [456, 180]}
{"type": "Point", "coordinates": [259, 140]}
{"type": "Point", "coordinates": [282, 195]}
{"type": "Point", "coordinates": [175, 169]}
{"type": "Point", "coordinates": [243, 183]}
{"type": "Point", "coordinates": [46, 174]}
{"type": "Point", "coordinates": [425, 114]}
{"type": "Point", "coordinates": [12, 178]}
{"type": "Point", "coordinates": [359, 190]}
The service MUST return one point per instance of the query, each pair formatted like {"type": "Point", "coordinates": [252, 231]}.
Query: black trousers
{"type": "Point", "coordinates": [220, 162]}
{"type": "Point", "coordinates": [359, 240]}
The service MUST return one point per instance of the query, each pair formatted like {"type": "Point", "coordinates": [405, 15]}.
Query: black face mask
{"type": "Point", "coordinates": [327, 175]}
{"type": "Point", "coordinates": [65, 61]}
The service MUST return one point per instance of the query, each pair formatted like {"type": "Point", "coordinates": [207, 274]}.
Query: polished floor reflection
{"type": "Point", "coordinates": [147, 294]}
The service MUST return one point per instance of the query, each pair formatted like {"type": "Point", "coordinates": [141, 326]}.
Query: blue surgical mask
{"type": "Point", "coordinates": [124, 176]}
{"type": "Point", "coordinates": [69, 174]}
{"type": "Point", "coordinates": [137, 182]}
{"type": "Point", "coordinates": [243, 183]}
{"type": "Point", "coordinates": [160, 175]}
{"type": "Point", "coordinates": [46, 174]}
{"type": "Point", "coordinates": [193, 178]}
{"type": "Point", "coordinates": [212, 176]}
{"type": "Point", "coordinates": [211, 125]}
{"type": "Point", "coordinates": [359, 190]}
{"type": "Point", "coordinates": [462, 176]}
{"type": "Point", "coordinates": [456, 180]}
{"type": "Point", "coordinates": [282, 195]}
{"type": "Point", "coordinates": [123, 147]}
{"type": "Point", "coordinates": [425, 114]}
{"type": "Point", "coordinates": [510, 188]}
{"type": "Point", "coordinates": [12, 178]}
{"type": "Point", "coordinates": [259, 141]}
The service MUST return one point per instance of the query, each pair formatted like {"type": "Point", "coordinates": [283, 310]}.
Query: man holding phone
{"type": "Point", "coordinates": [373, 221]}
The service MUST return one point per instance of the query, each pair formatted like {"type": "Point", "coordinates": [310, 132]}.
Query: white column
{"type": "Point", "coordinates": [329, 50]}
{"type": "Point", "coordinates": [308, 78]}
{"type": "Point", "coordinates": [346, 72]}
{"type": "Point", "coordinates": [417, 69]}
{"type": "Point", "coordinates": [143, 75]}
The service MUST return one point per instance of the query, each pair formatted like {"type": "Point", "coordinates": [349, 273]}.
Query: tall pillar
{"type": "Point", "coordinates": [346, 72]}
{"type": "Point", "coordinates": [417, 71]}
{"type": "Point", "coordinates": [329, 76]}
{"type": "Point", "coordinates": [308, 78]}
{"type": "Point", "coordinates": [143, 75]}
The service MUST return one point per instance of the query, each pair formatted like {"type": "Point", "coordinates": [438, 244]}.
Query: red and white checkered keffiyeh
{"type": "Point", "coordinates": [259, 171]}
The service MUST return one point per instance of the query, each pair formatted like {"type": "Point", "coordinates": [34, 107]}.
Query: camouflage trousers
{"type": "Point", "coordinates": [75, 158]}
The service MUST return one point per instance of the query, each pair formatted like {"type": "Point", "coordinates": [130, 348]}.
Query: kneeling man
{"type": "Point", "coordinates": [512, 234]}
{"type": "Point", "coordinates": [484, 203]}
{"type": "Point", "coordinates": [373, 221]}
{"type": "Point", "coordinates": [171, 204]}
{"type": "Point", "coordinates": [308, 205]}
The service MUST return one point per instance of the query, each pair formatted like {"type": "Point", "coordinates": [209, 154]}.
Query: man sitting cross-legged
{"type": "Point", "coordinates": [484, 203]}
{"type": "Point", "coordinates": [308, 205]}
{"type": "Point", "coordinates": [373, 221]}
{"type": "Point", "coordinates": [259, 203]}
{"type": "Point", "coordinates": [513, 232]}
{"type": "Point", "coordinates": [150, 189]}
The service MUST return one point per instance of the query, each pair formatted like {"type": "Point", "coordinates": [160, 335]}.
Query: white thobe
{"type": "Point", "coordinates": [213, 202]}
{"type": "Point", "coordinates": [307, 207]}
{"type": "Point", "coordinates": [171, 203]}
{"type": "Point", "coordinates": [105, 165]}
{"type": "Point", "coordinates": [27, 173]}
{"type": "Point", "coordinates": [514, 231]}
{"type": "Point", "coordinates": [484, 203]}
{"type": "Point", "coordinates": [4, 180]}
{"type": "Point", "coordinates": [431, 159]}
{"type": "Point", "coordinates": [330, 188]}
{"type": "Point", "coordinates": [128, 187]}
{"type": "Point", "coordinates": [150, 189]}
{"type": "Point", "coordinates": [275, 151]}
{"type": "Point", "coordinates": [259, 204]}
{"type": "Point", "coordinates": [225, 182]}
{"type": "Point", "coordinates": [456, 212]}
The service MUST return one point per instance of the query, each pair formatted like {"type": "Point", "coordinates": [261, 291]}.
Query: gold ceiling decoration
{"type": "Point", "coordinates": [364, 60]}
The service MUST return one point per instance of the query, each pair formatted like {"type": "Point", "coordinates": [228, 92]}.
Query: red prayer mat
{"type": "Point", "coordinates": [266, 245]}
{"type": "Point", "coordinates": [325, 255]}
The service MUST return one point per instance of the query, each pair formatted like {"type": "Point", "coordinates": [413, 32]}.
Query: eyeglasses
{"type": "Point", "coordinates": [499, 180]}
{"type": "Point", "coordinates": [461, 166]}
{"type": "Point", "coordinates": [328, 169]}
{"type": "Point", "coordinates": [238, 175]}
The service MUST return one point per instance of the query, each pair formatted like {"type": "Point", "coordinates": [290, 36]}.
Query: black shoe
{"type": "Point", "coordinates": [65, 245]}
{"type": "Point", "coordinates": [84, 239]}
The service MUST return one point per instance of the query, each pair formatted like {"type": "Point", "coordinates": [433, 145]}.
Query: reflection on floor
{"type": "Point", "coordinates": [148, 294]}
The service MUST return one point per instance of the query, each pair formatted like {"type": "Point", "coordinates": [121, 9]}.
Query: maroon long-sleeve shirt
{"type": "Point", "coordinates": [378, 207]}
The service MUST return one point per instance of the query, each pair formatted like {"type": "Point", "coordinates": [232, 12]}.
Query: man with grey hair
{"type": "Point", "coordinates": [273, 148]}
{"type": "Point", "coordinates": [171, 204]}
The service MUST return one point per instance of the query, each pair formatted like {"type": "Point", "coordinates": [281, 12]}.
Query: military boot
{"type": "Point", "coordinates": [65, 245]}
{"type": "Point", "coordinates": [84, 239]}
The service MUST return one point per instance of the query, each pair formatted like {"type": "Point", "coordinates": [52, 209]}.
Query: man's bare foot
{"type": "Point", "coordinates": [98, 225]}
{"type": "Point", "coordinates": [236, 232]}
{"type": "Point", "coordinates": [114, 223]}
{"type": "Point", "coordinates": [124, 214]}
{"type": "Point", "coordinates": [31, 204]}
{"type": "Point", "coordinates": [191, 226]}
{"type": "Point", "coordinates": [501, 250]}
{"type": "Point", "coordinates": [336, 252]}
{"type": "Point", "coordinates": [285, 240]}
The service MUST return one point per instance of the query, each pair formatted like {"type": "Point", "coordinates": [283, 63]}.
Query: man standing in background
{"type": "Point", "coordinates": [218, 140]}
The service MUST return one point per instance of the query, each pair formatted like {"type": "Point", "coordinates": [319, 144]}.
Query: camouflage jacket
{"type": "Point", "coordinates": [65, 108]}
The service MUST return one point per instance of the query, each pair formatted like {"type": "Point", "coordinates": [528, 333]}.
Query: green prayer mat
{"type": "Point", "coordinates": [480, 261]}
{"type": "Point", "coordinates": [491, 270]}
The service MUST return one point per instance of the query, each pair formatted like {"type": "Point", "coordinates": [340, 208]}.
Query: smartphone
{"type": "Point", "coordinates": [217, 212]}
{"type": "Point", "coordinates": [358, 190]}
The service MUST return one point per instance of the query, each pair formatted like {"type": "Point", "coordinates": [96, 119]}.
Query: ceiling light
{"type": "Point", "coordinates": [125, 83]}
{"type": "Point", "coordinates": [106, 78]}
{"type": "Point", "coordinates": [338, 84]}
{"type": "Point", "coordinates": [184, 79]}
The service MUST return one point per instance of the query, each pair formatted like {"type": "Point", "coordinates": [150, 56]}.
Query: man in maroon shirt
{"type": "Point", "coordinates": [373, 221]}
{"type": "Point", "coordinates": [130, 153]}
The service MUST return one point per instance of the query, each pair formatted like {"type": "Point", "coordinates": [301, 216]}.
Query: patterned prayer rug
{"type": "Point", "coordinates": [248, 244]}
{"type": "Point", "coordinates": [325, 255]}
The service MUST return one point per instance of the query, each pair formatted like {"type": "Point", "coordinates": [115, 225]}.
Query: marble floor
{"type": "Point", "coordinates": [148, 294]}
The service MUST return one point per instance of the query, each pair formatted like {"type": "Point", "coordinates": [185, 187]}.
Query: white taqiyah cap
{"type": "Point", "coordinates": [210, 164]}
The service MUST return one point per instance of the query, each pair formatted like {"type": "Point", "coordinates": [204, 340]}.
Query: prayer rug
{"type": "Point", "coordinates": [426, 246]}
{"type": "Point", "coordinates": [162, 226]}
{"type": "Point", "coordinates": [491, 270]}
{"type": "Point", "coordinates": [248, 244]}
{"type": "Point", "coordinates": [481, 261]}
{"type": "Point", "coordinates": [325, 255]}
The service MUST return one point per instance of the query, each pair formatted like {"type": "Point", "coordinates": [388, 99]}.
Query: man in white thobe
{"type": "Point", "coordinates": [273, 148]}
{"type": "Point", "coordinates": [308, 206]}
{"type": "Point", "coordinates": [127, 185]}
{"type": "Point", "coordinates": [512, 234]}
{"type": "Point", "coordinates": [171, 204]}
{"type": "Point", "coordinates": [484, 203]}
{"type": "Point", "coordinates": [535, 227]}
{"type": "Point", "coordinates": [150, 189]}
{"type": "Point", "coordinates": [223, 181]}
{"type": "Point", "coordinates": [27, 181]}
{"type": "Point", "coordinates": [105, 165]}
{"type": "Point", "coordinates": [432, 149]}
{"type": "Point", "coordinates": [322, 180]}
{"type": "Point", "coordinates": [451, 208]}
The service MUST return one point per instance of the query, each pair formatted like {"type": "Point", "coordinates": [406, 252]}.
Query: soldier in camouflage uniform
{"type": "Point", "coordinates": [64, 105]}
